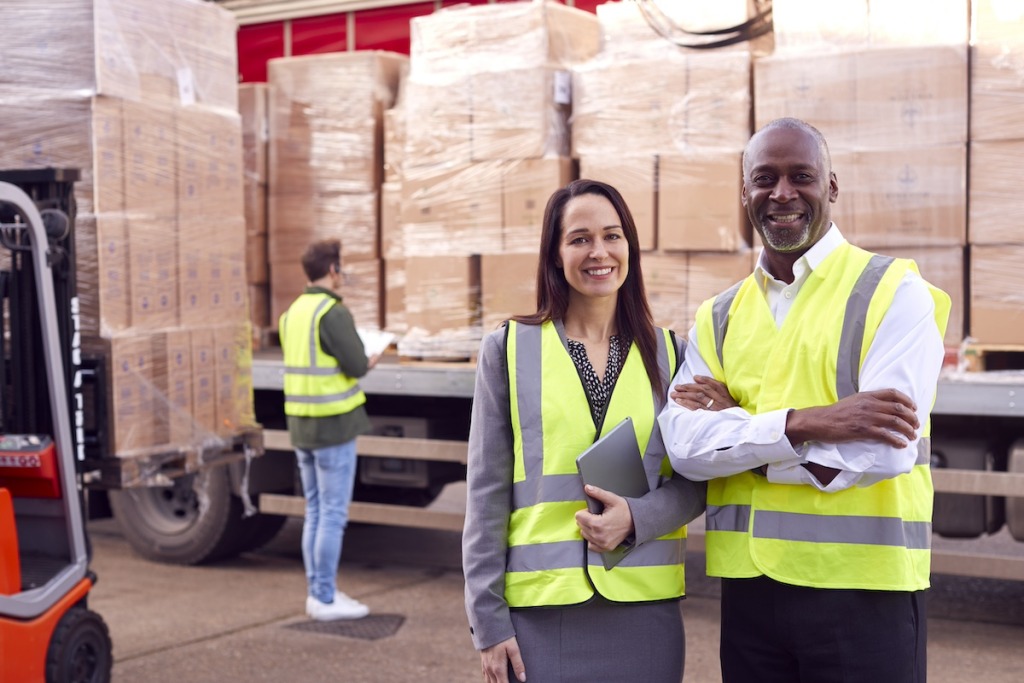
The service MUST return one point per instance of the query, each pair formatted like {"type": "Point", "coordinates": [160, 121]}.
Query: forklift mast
{"type": "Point", "coordinates": [25, 400]}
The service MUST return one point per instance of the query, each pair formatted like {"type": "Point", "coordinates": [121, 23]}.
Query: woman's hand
{"type": "Point", "coordinates": [609, 529]}
{"type": "Point", "coordinates": [494, 661]}
{"type": "Point", "coordinates": [706, 393]}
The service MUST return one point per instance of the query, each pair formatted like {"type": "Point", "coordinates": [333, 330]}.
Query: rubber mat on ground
{"type": "Point", "coordinates": [371, 627]}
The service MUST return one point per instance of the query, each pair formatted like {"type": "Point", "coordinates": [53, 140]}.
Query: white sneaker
{"type": "Point", "coordinates": [331, 611]}
{"type": "Point", "coordinates": [338, 595]}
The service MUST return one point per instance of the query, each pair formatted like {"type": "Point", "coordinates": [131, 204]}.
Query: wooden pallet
{"type": "Point", "coordinates": [986, 357]}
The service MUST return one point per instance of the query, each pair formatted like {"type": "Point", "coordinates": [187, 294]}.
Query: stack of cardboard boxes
{"type": "Point", "coordinates": [252, 107]}
{"type": "Point", "coordinates": [666, 126]}
{"type": "Point", "coordinates": [143, 99]}
{"type": "Point", "coordinates": [326, 167]}
{"type": "Point", "coordinates": [995, 234]}
{"type": "Point", "coordinates": [486, 112]}
{"type": "Point", "coordinates": [888, 89]}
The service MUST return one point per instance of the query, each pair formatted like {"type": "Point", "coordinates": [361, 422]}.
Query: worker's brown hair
{"type": "Point", "coordinates": [320, 257]}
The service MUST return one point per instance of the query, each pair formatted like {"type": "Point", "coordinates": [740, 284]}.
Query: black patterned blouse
{"type": "Point", "coordinates": [597, 391]}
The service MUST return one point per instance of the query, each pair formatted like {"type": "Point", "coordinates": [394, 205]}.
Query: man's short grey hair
{"type": "Point", "coordinates": [792, 124]}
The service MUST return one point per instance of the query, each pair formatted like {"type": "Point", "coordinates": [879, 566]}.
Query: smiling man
{"type": "Point", "coordinates": [804, 402]}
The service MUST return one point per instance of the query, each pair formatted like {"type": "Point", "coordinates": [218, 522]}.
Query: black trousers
{"type": "Point", "coordinates": [778, 633]}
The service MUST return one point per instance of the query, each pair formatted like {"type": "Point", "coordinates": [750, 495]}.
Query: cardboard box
{"type": "Point", "coordinates": [453, 210]}
{"type": "Point", "coordinates": [113, 272]}
{"type": "Point", "coordinates": [255, 203]}
{"type": "Point", "coordinates": [131, 393]}
{"type": "Point", "coordinates": [296, 221]}
{"type": "Point", "coordinates": [259, 309]}
{"type": "Point", "coordinates": [906, 197]}
{"type": "Point", "coordinates": [442, 292]}
{"type": "Point", "coordinates": [944, 267]}
{"type": "Point", "coordinates": [911, 97]}
{"type": "Point", "coordinates": [150, 160]}
{"type": "Point", "coordinates": [253, 108]}
{"type": "Point", "coordinates": [394, 296]}
{"type": "Point", "coordinates": [154, 272]}
{"type": "Point", "coordinates": [508, 287]}
{"type": "Point", "coordinates": [173, 409]}
{"type": "Point", "coordinates": [699, 207]}
{"type": "Point", "coordinates": [392, 245]}
{"type": "Point", "coordinates": [257, 266]}
{"type": "Point", "coordinates": [819, 90]}
{"type": "Point", "coordinates": [997, 294]}
{"type": "Point", "coordinates": [665, 278]}
{"type": "Point", "coordinates": [520, 113]}
{"type": "Point", "coordinates": [394, 143]}
{"type": "Point", "coordinates": [996, 205]}
{"type": "Point", "coordinates": [710, 274]}
{"type": "Point", "coordinates": [438, 121]}
{"type": "Point", "coordinates": [517, 34]}
{"type": "Point", "coordinates": [634, 178]}
{"type": "Point", "coordinates": [233, 383]}
{"type": "Point", "coordinates": [204, 375]}
{"type": "Point", "coordinates": [526, 187]}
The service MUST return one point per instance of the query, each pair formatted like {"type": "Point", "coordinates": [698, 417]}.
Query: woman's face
{"type": "Point", "coordinates": [593, 251]}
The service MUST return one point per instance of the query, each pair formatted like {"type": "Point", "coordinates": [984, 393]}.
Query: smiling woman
{"type": "Point", "coordinates": [539, 599]}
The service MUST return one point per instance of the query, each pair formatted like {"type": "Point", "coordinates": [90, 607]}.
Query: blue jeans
{"type": "Point", "coordinates": [328, 477]}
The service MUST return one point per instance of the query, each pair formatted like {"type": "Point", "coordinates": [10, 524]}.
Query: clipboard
{"type": "Point", "coordinates": [614, 464]}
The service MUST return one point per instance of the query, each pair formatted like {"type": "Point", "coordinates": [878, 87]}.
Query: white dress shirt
{"type": "Point", "coordinates": [906, 354]}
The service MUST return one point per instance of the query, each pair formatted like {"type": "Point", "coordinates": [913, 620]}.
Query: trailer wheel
{"type": "Point", "coordinates": [80, 650]}
{"type": "Point", "coordinates": [195, 520]}
{"type": "Point", "coordinates": [1015, 504]}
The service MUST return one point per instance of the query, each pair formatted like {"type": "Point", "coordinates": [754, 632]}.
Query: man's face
{"type": "Point", "coordinates": [787, 190]}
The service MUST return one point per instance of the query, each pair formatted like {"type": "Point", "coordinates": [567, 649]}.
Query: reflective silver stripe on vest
{"type": "Point", "coordinates": [552, 488]}
{"type": "Point", "coordinates": [326, 398]}
{"type": "Point", "coordinates": [528, 380]}
{"type": "Point", "coordinates": [887, 531]}
{"type": "Point", "coordinates": [720, 316]}
{"type": "Point", "coordinates": [852, 340]}
{"type": "Point", "coordinates": [924, 451]}
{"type": "Point", "coordinates": [792, 526]}
{"type": "Point", "coordinates": [727, 518]}
{"type": "Point", "coordinates": [656, 554]}
{"type": "Point", "coordinates": [314, 331]}
{"type": "Point", "coordinates": [540, 557]}
{"type": "Point", "coordinates": [310, 372]}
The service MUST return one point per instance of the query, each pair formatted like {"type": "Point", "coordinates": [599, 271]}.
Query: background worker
{"type": "Point", "coordinates": [541, 605]}
{"type": "Point", "coordinates": [323, 357]}
{"type": "Point", "coordinates": [804, 401]}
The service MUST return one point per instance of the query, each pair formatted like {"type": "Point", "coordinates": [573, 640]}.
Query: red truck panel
{"type": "Point", "coordinates": [388, 28]}
{"type": "Point", "coordinates": [257, 44]}
{"type": "Point", "coordinates": [320, 34]}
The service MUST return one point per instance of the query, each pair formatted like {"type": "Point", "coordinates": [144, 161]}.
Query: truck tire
{"type": "Point", "coordinates": [195, 520]}
{"type": "Point", "coordinates": [1015, 504]}
{"type": "Point", "coordinates": [80, 650]}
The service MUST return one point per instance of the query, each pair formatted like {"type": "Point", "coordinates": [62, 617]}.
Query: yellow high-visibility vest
{"type": "Point", "coordinates": [875, 537]}
{"type": "Point", "coordinates": [314, 385]}
{"type": "Point", "coordinates": [548, 562]}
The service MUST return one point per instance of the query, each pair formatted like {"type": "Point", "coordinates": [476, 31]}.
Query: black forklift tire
{"type": "Point", "coordinates": [194, 521]}
{"type": "Point", "coordinates": [80, 650]}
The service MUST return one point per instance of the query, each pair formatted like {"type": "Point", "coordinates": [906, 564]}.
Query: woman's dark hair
{"type": "Point", "coordinates": [320, 256]}
{"type": "Point", "coordinates": [632, 312]}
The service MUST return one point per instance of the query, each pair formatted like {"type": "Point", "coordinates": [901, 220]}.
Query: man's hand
{"type": "Point", "coordinates": [609, 529]}
{"type": "Point", "coordinates": [494, 661]}
{"type": "Point", "coordinates": [884, 415]}
{"type": "Point", "coordinates": [705, 393]}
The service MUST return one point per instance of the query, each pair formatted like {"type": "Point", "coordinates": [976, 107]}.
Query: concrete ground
{"type": "Point", "coordinates": [243, 620]}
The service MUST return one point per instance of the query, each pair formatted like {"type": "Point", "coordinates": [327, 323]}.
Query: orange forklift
{"type": "Point", "coordinates": [47, 631]}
